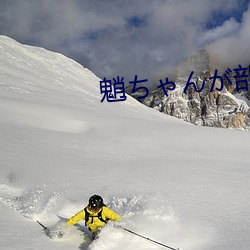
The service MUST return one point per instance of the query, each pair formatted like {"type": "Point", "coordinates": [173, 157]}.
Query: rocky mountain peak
{"type": "Point", "coordinates": [207, 107]}
{"type": "Point", "coordinates": [198, 62]}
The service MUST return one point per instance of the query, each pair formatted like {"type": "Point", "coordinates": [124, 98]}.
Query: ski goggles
{"type": "Point", "coordinates": [94, 208]}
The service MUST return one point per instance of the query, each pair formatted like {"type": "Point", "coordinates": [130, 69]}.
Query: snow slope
{"type": "Point", "coordinates": [176, 183]}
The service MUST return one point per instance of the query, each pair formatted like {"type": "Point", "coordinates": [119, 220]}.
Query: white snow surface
{"type": "Point", "coordinates": [182, 185]}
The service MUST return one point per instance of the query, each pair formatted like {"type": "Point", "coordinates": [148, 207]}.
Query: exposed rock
{"type": "Point", "coordinates": [244, 90]}
{"type": "Point", "coordinates": [213, 109]}
{"type": "Point", "coordinates": [140, 93]}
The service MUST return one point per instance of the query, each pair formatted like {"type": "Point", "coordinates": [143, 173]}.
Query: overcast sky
{"type": "Point", "coordinates": [132, 37]}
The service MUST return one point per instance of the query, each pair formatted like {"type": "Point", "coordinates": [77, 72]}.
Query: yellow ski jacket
{"type": "Point", "coordinates": [94, 223]}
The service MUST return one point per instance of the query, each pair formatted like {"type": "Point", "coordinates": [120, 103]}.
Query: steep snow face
{"type": "Point", "coordinates": [179, 184]}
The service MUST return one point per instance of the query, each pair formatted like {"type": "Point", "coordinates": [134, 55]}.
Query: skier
{"type": "Point", "coordinates": [95, 214]}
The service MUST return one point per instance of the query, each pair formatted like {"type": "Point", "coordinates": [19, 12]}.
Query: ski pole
{"type": "Point", "coordinates": [146, 238]}
{"type": "Point", "coordinates": [45, 228]}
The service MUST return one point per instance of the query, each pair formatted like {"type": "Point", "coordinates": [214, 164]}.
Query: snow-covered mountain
{"type": "Point", "coordinates": [179, 184]}
{"type": "Point", "coordinates": [224, 109]}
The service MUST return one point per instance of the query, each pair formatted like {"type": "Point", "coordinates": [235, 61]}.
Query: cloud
{"type": "Point", "coordinates": [123, 38]}
{"type": "Point", "coordinates": [229, 27]}
{"type": "Point", "coordinates": [232, 50]}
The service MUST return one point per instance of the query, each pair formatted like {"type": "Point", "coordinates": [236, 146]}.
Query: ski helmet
{"type": "Point", "coordinates": [95, 202]}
